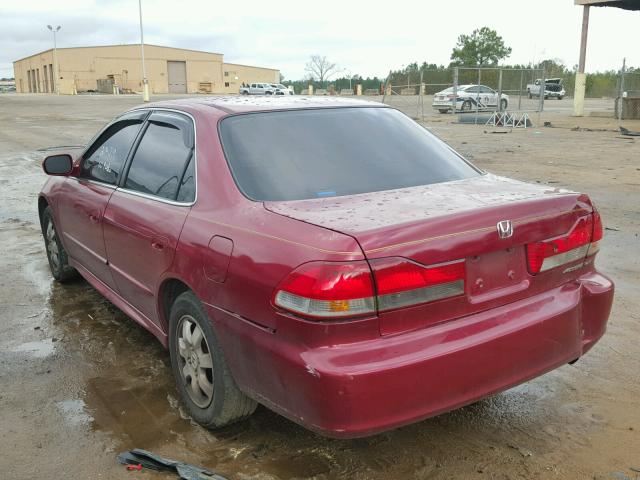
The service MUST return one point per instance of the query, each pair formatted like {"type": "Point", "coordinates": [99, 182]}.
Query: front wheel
{"type": "Point", "coordinates": [245, 93]}
{"type": "Point", "coordinates": [560, 97]}
{"type": "Point", "coordinates": [443, 110]}
{"type": "Point", "coordinates": [56, 254]}
{"type": "Point", "coordinates": [530, 96]}
{"type": "Point", "coordinates": [203, 379]}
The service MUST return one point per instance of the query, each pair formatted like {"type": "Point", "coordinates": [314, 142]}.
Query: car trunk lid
{"type": "Point", "coordinates": [447, 222]}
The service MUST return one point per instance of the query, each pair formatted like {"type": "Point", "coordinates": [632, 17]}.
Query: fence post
{"type": "Point", "coordinates": [475, 122]}
{"type": "Point", "coordinates": [520, 91]}
{"type": "Point", "coordinates": [421, 97]}
{"type": "Point", "coordinates": [543, 89]}
{"type": "Point", "coordinates": [500, 91]}
{"type": "Point", "coordinates": [621, 94]}
{"type": "Point", "coordinates": [455, 90]}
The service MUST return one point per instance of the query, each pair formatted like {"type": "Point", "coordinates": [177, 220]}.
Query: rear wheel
{"type": "Point", "coordinates": [203, 379]}
{"type": "Point", "coordinates": [503, 104]}
{"type": "Point", "coordinates": [245, 93]}
{"type": "Point", "coordinates": [530, 96]}
{"type": "Point", "coordinates": [56, 254]}
{"type": "Point", "coordinates": [560, 97]}
{"type": "Point", "coordinates": [443, 110]}
{"type": "Point", "coordinates": [466, 106]}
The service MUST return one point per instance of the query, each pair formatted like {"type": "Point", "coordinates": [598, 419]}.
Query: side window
{"type": "Point", "coordinates": [104, 160]}
{"type": "Point", "coordinates": [187, 191]}
{"type": "Point", "coordinates": [487, 90]}
{"type": "Point", "coordinates": [160, 160]}
{"type": "Point", "coordinates": [472, 90]}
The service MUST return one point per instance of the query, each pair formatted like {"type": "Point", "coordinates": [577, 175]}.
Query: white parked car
{"type": "Point", "coordinates": [553, 88]}
{"type": "Point", "coordinates": [469, 98]}
{"type": "Point", "coordinates": [258, 89]}
{"type": "Point", "coordinates": [281, 89]}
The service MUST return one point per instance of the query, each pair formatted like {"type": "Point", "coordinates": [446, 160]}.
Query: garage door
{"type": "Point", "coordinates": [177, 73]}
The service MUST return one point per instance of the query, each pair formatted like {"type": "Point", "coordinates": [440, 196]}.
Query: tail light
{"type": "Point", "coordinates": [401, 283]}
{"type": "Point", "coordinates": [325, 289]}
{"type": "Point", "coordinates": [341, 290]}
{"type": "Point", "coordinates": [576, 245]}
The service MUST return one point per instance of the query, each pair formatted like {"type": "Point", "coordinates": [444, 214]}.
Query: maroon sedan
{"type": "Point", "coordinates": [330, 259]}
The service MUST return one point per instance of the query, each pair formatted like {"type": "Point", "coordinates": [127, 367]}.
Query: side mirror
{"type": "Point", "coordinates": [58, 165]}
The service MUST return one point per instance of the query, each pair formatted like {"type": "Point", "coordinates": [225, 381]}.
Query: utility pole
{"type": "Point", "coordinates": [581, 78]}
{"type": "Point", "coordinates": [145, 82]}
{"type": "Point", "coordinates": [55, 58]}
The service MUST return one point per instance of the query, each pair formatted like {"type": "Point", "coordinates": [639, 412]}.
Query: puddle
{"type": "Point", "coordinates": [74, 412]}
{"type": "Point", "coordinates": [37, 349]}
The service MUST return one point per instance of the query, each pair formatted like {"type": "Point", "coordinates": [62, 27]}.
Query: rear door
{"type": "Point", "coordinates": [146, 213]}
{"type": "Point", "coordinates": [84, 198]}
{"type": "Point", "coordinates": [489, 96]}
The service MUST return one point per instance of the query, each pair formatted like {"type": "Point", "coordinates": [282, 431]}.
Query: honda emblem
{"type": "Point", "coordinates": [505, 228]}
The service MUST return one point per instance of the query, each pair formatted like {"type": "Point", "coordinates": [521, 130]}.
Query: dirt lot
{"type": "Point", "coordinates": [80, 382]}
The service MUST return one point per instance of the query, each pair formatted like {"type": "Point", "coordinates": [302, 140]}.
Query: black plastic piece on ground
{"type": "Point", "coordinates": [152, 461]}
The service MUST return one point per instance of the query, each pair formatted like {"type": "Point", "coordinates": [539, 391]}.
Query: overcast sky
{"type": "Point", "coordinates": [361, 38]}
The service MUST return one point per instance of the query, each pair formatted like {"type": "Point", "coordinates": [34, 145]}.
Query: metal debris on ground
{"type": "Point", "coordinates": [510, 119]}
{"type": "Point", "coordinates": [629, 133]}
{"type": "Point", "coordinates": [138, 459]}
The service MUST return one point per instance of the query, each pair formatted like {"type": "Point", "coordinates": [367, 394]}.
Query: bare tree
{"type": "Point", "coordinates": [320, 68]}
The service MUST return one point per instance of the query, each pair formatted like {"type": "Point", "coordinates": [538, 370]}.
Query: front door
{"type": "Point", "coordinates": [83, 202]}
{"type": "Point", "coordinates": [145, 215]}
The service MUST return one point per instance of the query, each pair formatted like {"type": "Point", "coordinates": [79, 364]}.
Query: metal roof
{"type": "Point", "coordinates": [624, 4]}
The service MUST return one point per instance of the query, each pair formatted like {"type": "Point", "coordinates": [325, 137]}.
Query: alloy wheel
{"type": "Point", "coordinates": [52, 246]}
{"type": "Point", "coordinates": [196, 362]}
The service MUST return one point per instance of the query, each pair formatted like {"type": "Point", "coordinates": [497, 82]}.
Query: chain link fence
{"type": "Point", "coordinates": [628, 97]}
{"type": "Point", "coordinates": [477, 91]}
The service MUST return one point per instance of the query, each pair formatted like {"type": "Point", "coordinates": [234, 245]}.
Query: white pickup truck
{"type": "Point", "coordinates": [258, 89]}
{"type": "Point", "coordinates": [553, 88]}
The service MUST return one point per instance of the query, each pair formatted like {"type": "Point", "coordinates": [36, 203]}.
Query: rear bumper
{"type": "Point", "coordinates": [363, 388]}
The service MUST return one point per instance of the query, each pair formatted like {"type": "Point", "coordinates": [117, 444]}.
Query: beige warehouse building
{"type": "Point", "coordinates": [169, 70]}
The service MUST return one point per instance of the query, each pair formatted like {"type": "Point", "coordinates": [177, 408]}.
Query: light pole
{"type": "Point", "coordinates": [55, 57]}
{"type": "Point", "coordinates": [145, 82]}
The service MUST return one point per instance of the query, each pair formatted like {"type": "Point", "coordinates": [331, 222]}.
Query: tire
{"type": "Point", "coordinates": [530, 96]}
{"type": "Point", "coordinates": [269, 93]}
{"type": "Point", "coordinates": [503, 104]}
{"type": "Point", "coordinates": [245, 93]}
{"type": "Point", "coordinates": [443, 110]}
{"type": "Point", "coordinates": [56, 254]}
{"type": "Point", "coordinates": [214, 401]}
{"type": "Point", "coordinates": [466, 106]}
{"type": "Point", "coordinates": [560, 97]}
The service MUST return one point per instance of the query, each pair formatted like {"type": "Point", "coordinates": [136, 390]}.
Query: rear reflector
{"type": "Point", "coordinates": [573, 246]}
{"type": "Point", "coordinates": [338, 290]}
{"type": "Point", "coordinates": [401, 282]}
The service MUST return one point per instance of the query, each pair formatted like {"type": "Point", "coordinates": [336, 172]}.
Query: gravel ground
{"type": "Point", "coordinates": [80, 382]}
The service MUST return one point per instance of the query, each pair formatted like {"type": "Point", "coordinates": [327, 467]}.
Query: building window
{"type": "Point", "coordinates": [226, 74]}
{"type": "Point", "coordinates": [226, 84]}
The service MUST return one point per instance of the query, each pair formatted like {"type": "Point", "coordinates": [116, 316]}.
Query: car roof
{"type": "Point", "coordinates": [231, 104]}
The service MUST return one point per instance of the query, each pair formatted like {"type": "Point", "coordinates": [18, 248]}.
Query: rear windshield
{"type": "Point", "coordinates": [303, 154]}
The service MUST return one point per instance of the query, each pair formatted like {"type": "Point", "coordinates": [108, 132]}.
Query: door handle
{"type": "Point", "coordinates": [157, 245]}
{"type": "Point", "coordinates": [94, 218]}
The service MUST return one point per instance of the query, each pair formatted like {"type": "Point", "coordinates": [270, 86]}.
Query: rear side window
{"type": "Point", "coordinates": [303, 154]}
{"type": "Point", "coordinates": [104, 160]}
{"type": "Point", "coordinates": [162, 156]}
